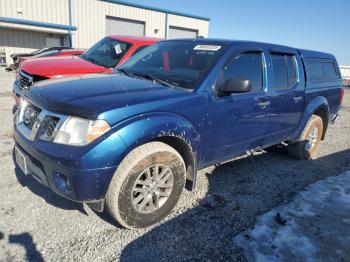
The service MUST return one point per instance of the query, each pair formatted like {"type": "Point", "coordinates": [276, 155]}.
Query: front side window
{"type": "Point", "coordinates": [246, 66]}
{"type": "Point", "coordinates": [180, 63]}
{"type": "Point", "coordinates": [107, 52]}
{"type": "Point", "coordinates": [284, 68]}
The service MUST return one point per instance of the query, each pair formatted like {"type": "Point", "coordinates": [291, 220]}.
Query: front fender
{"type": "Point", "coordinates": [129, 134]}
{"type": "Point", "coordinates": [154, 125]}
{"type": "Point", "coordinates": [157, 126]}
{"type": "Point", "coordinates": [314, 105]}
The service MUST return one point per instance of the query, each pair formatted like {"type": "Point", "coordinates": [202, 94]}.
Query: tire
{"type": "Point", "coordinates": [302, 148]}
{"type": "Point", "coordinates": [132, 176]}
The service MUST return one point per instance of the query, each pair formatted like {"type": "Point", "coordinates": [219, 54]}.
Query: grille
{"type": "Point", "coordinates": [49, 127]}
{"type": "Point", "coordinates": [24, 80]}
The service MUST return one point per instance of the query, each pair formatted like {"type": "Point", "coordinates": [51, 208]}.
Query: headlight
{"type": "Point", "coordinates": [79, 132]}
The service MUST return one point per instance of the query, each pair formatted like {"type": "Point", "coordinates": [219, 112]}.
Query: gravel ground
{"type": "Point", "coordinates": [37, 225]}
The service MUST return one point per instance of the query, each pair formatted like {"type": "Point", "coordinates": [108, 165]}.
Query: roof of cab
{"type": "Point", "coordinates": [135, 39]}
{"type": "Point", "coordinates": [303, 52]}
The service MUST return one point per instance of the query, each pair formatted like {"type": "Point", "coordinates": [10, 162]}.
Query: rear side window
{"type": "Point", "coordinates": [284, 68]}
{"type": "Point", "coordinates": [322, 71]}
{"type": "Point", "coordinates": [247, 66]}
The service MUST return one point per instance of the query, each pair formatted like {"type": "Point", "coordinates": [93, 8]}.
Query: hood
{"type": "Point", "coordinates": [90, 95]}
{"type": "Point", "coordinates": [51, 67]}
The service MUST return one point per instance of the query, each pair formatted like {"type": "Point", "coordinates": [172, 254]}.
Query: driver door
{"type": "Point", "coordinates": [238, 122]}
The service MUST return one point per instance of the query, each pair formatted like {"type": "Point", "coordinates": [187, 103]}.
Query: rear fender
{"type": "Point", "coordinates": [313, 106]}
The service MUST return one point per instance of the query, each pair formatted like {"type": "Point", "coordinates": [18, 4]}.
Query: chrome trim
{"type": "Point", "coordinates": [27, 77]}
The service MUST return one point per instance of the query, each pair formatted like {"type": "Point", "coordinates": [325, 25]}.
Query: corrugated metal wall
{"type": "Point", "coordinates": [50, 11]}
{"type": "Point", "coordinates": [14, 40]}
{"type": "Point", "coordinates": [21, 38]}
{"type": "Point", "coordinates": [90, 18]}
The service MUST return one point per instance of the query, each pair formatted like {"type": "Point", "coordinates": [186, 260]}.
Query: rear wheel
{"type": "Point", "coordinates": [146, 186]}
{"type": "Point", "coordinates": [306, 147]}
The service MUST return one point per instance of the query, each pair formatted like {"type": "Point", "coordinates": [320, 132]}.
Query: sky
{"type": "Point", "coordinates": [322, 25]}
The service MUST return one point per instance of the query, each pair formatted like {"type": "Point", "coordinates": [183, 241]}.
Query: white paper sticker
{"type": "Point", "coordinates": [207, 47]}
{"type": "Point", "coordinates": [118, 49]}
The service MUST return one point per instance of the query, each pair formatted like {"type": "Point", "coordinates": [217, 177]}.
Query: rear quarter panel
{"type": "Point", "coordinates": [320, 93]}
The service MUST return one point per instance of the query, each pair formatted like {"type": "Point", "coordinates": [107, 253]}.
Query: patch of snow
{"type": "Point", "coordinates": [316, 228]}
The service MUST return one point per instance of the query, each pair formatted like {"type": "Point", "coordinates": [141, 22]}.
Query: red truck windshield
{"type": "Point", "coordinates": [107, 52]}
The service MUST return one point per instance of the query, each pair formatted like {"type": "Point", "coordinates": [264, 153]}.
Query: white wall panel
{"type": "Point", "coordinates": [90, 18]}
{"type": "Point", "coordinates": [49, 11]}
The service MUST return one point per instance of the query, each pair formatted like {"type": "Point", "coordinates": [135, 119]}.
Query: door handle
{"type": "Point", "coordinates": [264, 103]}
{"type": "Point", "coordinates": [297, 98]}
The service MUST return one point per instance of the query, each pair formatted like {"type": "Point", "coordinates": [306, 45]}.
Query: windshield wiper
{"type": "Point", "coordinates": [146, 76]}
{"type": "Point", "coordinates": [154, 79]}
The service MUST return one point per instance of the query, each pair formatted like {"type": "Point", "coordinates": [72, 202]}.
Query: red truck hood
{"type": "Point", "coordinates": [53, 67]}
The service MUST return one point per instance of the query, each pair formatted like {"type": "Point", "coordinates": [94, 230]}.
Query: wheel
{"type": "Point", "coordinates": [146, 186]}
{"type": "Point", "coordinates": [306, 147]}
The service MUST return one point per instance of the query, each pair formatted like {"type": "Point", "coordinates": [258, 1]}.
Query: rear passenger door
{"type": "Point", "coordinates": [286, 94]}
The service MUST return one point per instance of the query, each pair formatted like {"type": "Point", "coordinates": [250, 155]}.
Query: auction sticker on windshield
{"type": "Point", "coordinates": [207, 47]}
{"type": "Point", "coordinates": [118, 49]}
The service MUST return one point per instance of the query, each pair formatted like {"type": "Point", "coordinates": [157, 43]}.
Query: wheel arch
{"type": "Point", "coordinates": [317, 106]}
{"type": "Point", "coordinates": [173, 130]}
{"type": "Point", "coordinates": [187, 155]}
{"type": "Point", "coordinates": [323, 113]}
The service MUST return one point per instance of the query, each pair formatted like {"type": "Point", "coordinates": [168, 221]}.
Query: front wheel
{"type": "Point", "coordinates": [306, 147]}
{"type": "Point", "coordinates": [146, 186]}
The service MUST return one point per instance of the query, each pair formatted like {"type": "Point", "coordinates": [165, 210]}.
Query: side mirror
{"type": "Point", "coordinates": [235, 85]}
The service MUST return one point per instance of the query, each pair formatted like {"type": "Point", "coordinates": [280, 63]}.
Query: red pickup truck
{"type": "Point", "coordinates": [100, 58]}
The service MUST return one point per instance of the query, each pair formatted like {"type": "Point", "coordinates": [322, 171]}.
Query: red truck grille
{"type": "Point", "coordinates": [25, 80]}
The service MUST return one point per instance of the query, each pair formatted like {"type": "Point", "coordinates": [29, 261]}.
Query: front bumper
{"type": "Point", "coordinates": [87, 171]}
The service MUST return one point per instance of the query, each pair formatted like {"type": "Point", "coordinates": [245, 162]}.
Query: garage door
{"type": "Point", "coordinates": [119, 26]}
{"type": "Point", "coordinates": [180, 32]}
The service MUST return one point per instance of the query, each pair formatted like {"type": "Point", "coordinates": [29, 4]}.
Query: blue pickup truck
{"type": "Point", "coordinates": [130, 140]}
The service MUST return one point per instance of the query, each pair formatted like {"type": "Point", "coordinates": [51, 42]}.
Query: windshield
{"type": "Point", "coordinates": [180, 63]}
{"type": "Point", "coordinates": [106, 52]}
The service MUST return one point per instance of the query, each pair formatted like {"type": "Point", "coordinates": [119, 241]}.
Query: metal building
{"type": "Point", "coordinates": [26, 25]}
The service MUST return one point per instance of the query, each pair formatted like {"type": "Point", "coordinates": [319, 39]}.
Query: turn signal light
{"type": "Point", "coordinates": [98, 128]}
